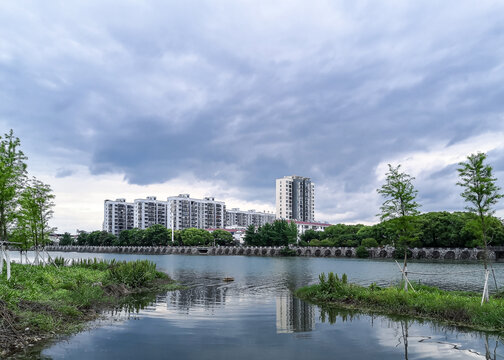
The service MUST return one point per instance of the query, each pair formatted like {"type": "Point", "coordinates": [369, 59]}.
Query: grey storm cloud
{"type": "Point", "coordinates": [247, 92]}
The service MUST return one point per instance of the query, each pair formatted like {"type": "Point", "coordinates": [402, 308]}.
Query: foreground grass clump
{"type": "Point", "coordinates": [453, 307]}
{"type": "Point", "coordinates": [39, 302]}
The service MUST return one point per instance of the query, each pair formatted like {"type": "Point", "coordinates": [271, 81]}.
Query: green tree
{"type": "Point", "coordinates": [195, 237]}
{"type": "Point", "coordinates": [12, 176]}
{"type": "Point", "coordinates": [157, 235]}
{"type": "Point", "coordinates": [400, 205]}
{"type": "Point", "coordinates": [82, 237]}
{"type": "Point", "coordinates": [66, 239]}
{"type": "Point", "coordinates": [251, 236]}
{"type": "Point", "coordinates": [362, 252]}
{"type": "Point", "coordinates": [100, 238]}
{"type": "Point", "coordinates": [480, 192]}
{"type": "Point", "coordinates": [36, 209]}
{"type": "Point", "coordinates": [223, 238]}
{"type": "Point", "coordinates": [310, 235]}
{"type": "Point", "coordinates": [21, 235]}
{"type": "Point", "coordinates": [369, 243]}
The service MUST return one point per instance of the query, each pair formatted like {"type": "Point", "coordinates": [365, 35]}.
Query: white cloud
{"type": "Point", "coordinates": [438, 156]}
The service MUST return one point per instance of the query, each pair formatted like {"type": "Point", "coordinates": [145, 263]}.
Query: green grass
{"type": "Point", "coordinates": [38, 302]}
{"type": "Point", "coordinates": [451, 307]}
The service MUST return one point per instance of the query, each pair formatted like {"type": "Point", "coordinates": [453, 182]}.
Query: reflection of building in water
{"type": "Point", "coordinates": [197, 297]}
{"type": "Point", "coordinates": [293, 315]}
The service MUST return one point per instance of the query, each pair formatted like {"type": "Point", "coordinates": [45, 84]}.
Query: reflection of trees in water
{"type": "Point", "coordinates": [293, 314]}
{"type": "Point", "coordinates": [489, 354]}
{"type": "Point", "coordinates": [331, 315]}
{"type": "Point", "coordinates": [402, 325]}
{"type": "Point", "coordinates": [201, 292]}
{"type": "Point", "coordinates": [131, 305]}
{"type": "Point", "coordinates": [206, 296]}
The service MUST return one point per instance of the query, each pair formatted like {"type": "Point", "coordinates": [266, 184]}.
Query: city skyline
{"type": "Point", "coordinates": [223, 98]}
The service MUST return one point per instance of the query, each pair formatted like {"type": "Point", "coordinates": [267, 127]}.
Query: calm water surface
{"type": "Point", "coordinates": [256, 316]}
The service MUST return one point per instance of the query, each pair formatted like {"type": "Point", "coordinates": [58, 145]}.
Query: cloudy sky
{"type": "Point", "coordinates": [218, 98]}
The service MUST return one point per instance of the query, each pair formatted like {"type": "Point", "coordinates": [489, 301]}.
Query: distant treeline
{"type": "Point", "coordinates": [434, 229]}
{"type": "Point", "coordinates": [156, 235]}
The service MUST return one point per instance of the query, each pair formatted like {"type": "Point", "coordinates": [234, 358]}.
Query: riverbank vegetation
{"type": "Point", "coordinates": [39, 302]}
{"type": "Point", "coordinates": [452, 307]}
{"type": "Point", "coordinates": [155, 235]}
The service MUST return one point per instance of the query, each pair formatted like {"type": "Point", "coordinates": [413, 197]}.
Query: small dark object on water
{"type": "Point", "coordinates": [228, 279]}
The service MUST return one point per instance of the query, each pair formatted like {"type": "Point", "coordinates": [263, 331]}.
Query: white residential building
{"type": "Point", "coordinates": [195, 213]}
{"type": "Point", "coordinates": [150, 211]}
{"type": "Point", "coordinates": [118, 216]}
{"type": "Point", "coordinates": [302, 226]}
{"type": "Point", "coordinates": [241, 218]}
{"type": "Point", "coordinates": [295, 198]}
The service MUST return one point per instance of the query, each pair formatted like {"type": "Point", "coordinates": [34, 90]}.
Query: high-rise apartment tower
{"type": "Point", "coordinates": [295, 198]}
{"type": "Point", "coordinates": [118, 216]}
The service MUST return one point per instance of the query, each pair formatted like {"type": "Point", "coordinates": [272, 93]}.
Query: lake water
{"type": "Point", "coordinates": [256, 316]}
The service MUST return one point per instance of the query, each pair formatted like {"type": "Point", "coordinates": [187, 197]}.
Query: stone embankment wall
{"type": "Point", "coordinates": [381, 252]}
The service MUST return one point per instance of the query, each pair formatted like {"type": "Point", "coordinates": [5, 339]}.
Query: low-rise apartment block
{"type": "Point", "coordinates": [241, 218]}
{"type": "Point", "coordinates": [150, 211]}
{"type": "Point", "coordinates": [185, 212]}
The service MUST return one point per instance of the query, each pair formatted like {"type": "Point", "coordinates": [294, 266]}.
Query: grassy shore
{"type": "Point", "coordinates": [38, 302]}
{"type": "Point", "coordinates": [449, 307]}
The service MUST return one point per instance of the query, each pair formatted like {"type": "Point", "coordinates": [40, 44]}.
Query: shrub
{"type": "Point", "coordinates": [95, 264]}
{"type": "Point", "coordinates": [351, 243]}
{"type": "Point", "coordinates": [327, 242]}
{"type": "Point", "coordinates": [134, 274]}
{"type": "Point", "coordinates": [369, 243]}
{"type": "Point", "coordinates": [287, 252]}
{"type": "Point", "coordinates": [362, 252]}
{"type": "Point", "coordinates": [399, 252]}
{"type": "Point", "coordinates": [60, 261]}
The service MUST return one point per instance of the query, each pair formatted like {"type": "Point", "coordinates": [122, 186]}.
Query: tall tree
{"type": "Point", "coordinates": [480, 191]}
{"type": "Point", "coordinates": [12, 176]}
{"type": "Point", "coordinates": [222, 237]}
{"type": "Point", "coordinates": [36, 202]}
{"type": "Point", "coordinates": [66, 239]}
{"type": "Point", "coordinates": [400, 205]}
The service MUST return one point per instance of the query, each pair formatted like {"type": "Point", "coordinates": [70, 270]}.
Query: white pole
{"type": "Point", "coordinates": [1, 257]}
{"type": "Point", "coordinates": [485, 288]}
{"type": "Point", "coordinates": [36, 261]}
{"type": "Point", "coordinates": [406, 278]}
{"type": "Point", "coordinates": [7, 259]}
{"type": "Point", "coordinates": [172, 223]}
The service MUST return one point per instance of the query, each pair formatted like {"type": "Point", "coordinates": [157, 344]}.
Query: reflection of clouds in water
{"type": "Point", "coordinates": [421, 342]}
